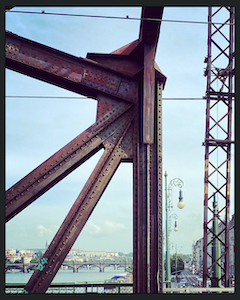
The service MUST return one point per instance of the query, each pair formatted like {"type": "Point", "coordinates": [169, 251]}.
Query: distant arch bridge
{"type": "Point", "coordinates": [116, 265]}
{"type": "Point", "coordinates": [26, 267]}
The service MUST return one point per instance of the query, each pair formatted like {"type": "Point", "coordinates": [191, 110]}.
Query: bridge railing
{"type": "Point", "coordinates": [107, 288]}
{"type": "Point", "coordinates": [72, 288]}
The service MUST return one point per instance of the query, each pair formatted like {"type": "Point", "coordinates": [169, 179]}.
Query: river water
{"type": "Point", "coordinates": [82, 275]}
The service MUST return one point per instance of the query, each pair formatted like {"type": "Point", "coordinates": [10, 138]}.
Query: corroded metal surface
{"type": "Point", "coordinates": [73, 73]}
{"type": "Point", "coordinates": [219, 96]}
{"type": "Point", "coordinates": [128, 87]}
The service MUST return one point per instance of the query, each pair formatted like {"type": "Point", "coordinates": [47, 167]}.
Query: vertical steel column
{"type": "Point", "coordinates": [158, 166]}
{"type": "Point", "coordinates": [147, 256]}
{"type": "Point", "coordinates": [147, 217]}
{"type": "Point", "coordinates": [219, 94]}
{"type": "Point", "coordinates": [205, 229]}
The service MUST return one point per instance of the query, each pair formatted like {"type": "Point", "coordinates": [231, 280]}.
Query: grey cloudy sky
{"type": "Point", "coordinates": [37, 128]}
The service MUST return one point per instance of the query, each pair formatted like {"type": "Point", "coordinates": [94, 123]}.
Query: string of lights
{"type": "Point", "coordinates": [116, 18]}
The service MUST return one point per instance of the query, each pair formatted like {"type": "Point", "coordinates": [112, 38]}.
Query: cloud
{"type": "Point", "coordinates": [44, 231]}
{"type": "Point", "coordinates": [103, 229]}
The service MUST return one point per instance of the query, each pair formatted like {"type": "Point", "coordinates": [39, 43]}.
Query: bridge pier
{"type": "Point", "coordinates": [75, 269]}
{"type": "Point", "coordinates": [25, 269]}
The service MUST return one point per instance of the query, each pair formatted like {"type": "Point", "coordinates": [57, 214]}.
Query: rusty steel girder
{"type": "Point", "coordinates": [127, 84]}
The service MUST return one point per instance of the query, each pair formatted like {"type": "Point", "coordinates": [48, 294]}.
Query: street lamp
{"type": "Point", "coordinates": [179, 183]}
{"type": "Point", "coordinates": [180, 204]}
{"type": "Point", "coordinates": [175, 227]}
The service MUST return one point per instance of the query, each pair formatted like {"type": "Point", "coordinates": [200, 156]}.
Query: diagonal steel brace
{"type": "Point", "coordinates": [81, 209]}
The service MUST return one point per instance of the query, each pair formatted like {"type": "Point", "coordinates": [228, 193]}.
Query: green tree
{"type": "Point", "coordinates": [7, 260]}
{"type": "Point", "coordinates": [34, 260]}
{"type": "Point", "coordinates": [176, 266]}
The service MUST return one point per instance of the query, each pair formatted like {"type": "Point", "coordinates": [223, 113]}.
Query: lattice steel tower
{"type": "Point", "coordinates": [218, 140]}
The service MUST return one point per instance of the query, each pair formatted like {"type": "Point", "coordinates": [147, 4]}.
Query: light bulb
{"type": "Point", "coordinates": [180, 204]}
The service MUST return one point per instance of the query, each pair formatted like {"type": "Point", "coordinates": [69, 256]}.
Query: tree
{"type": "Point", "coordinates": [180, 264]}
{"type": "Point", "coordinates": [34, 260]}
{"type": "Point", "coordinates": [7, 260]}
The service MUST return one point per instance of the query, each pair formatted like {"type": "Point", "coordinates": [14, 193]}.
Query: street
{"type": "Point", "coordinates": [187, 279]}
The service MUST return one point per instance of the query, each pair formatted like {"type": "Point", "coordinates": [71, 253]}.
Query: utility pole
{"type": "Point", "coordinates": [216, 249]}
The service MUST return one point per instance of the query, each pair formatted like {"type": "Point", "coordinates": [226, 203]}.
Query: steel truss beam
{"type": "Point", "coordinates": [128, 87]}
{"type": "Point", "coordinates": [64, 161]}
{"type": "Point", "coordinates": [219, 95]}
{"type": "Point", "coordinates": [76, 74]}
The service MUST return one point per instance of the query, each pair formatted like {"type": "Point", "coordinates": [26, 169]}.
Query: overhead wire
{"type": "Point", "coordinates": [76, 97]}
{"type": "Point", "coordinates": [118, 18]}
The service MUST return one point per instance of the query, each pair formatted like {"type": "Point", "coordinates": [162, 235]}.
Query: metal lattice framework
{"type": "Point", "coordinates": [128, 87]}
{"type": "Point", "coordinates": [218, 138]}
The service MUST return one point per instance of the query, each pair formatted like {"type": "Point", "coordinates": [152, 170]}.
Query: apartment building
{"type": "Point", "coordinates": [197, 251]}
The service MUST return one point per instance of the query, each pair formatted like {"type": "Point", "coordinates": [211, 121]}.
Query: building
{"type": "Point", "coordinates": [76, 254]}
{"type": "Point", "coordinates": [10, 251]}
{"type": "Point", "coordinates": [12, 257]}
{"type": "Point", "coordinates": [197, 251]}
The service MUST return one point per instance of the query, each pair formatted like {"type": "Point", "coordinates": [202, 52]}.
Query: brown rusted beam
{"type": "Point", "coordinates": [63, 161]}
{"type": "Point", "coordinates": [148, 94]}
{"type": "Point", "coordinates": [133, 135]}
{"type": "Point", "coordinates": [149, 29]}
{"type": "Point", "coordinates": [147, 206]}
{"type": "Point", "coordinates": [67, 71]}
{"type": "Point", "coordinates": [149, 33]}
{"type": "Point", "coordinates": [115, 147]}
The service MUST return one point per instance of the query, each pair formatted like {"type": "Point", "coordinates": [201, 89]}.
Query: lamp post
{"type": "Point", "coordinates": [179, 183]}
{"type": "Point", "coordinates": [216, 249]}
{"type": "Point", "coordinates": [175, 224]}
{"type": "Point", "coordinates": [176, 255]}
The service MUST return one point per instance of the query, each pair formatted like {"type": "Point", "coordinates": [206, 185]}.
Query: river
{"type": "Point", "coordinates": [92, 275]}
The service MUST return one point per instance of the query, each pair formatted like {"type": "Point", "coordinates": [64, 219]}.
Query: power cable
{"type": "Point", "coordinates": [118, 18]}
{"type": "Point", "coordinates": [76, 98]}
{"type": "Point", "coordinates": [45, 97]}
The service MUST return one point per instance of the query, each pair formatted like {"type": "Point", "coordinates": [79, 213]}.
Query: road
{"type": "Point", "coordinates": [187, 279]}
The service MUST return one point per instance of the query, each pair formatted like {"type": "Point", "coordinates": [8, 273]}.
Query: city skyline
{"type": "Point", "coordinates": [36, 128]}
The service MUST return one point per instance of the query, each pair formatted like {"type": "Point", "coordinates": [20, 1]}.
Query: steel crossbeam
{"type": "Point", "coordinates": [219, 95]}
{"type": "Point", "coordinates": [73, 73]}
{"type": "Point", "coordinates": [128, 87]}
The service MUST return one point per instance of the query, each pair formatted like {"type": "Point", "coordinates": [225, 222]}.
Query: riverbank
{"type": "Point", "coordinates": [68, 276]}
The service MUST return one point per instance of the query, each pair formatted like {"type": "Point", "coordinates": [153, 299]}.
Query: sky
{"type": "Point", "coordinates": [37, 128]}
